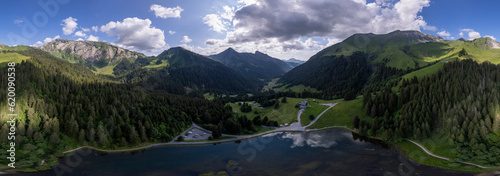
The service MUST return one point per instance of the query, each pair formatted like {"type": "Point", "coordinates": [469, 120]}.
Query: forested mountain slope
{"type": "Point", "coordinates": [257, 65]}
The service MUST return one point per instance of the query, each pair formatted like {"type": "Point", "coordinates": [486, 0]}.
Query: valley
{"type": "Point", "coordinates": [398, 87]}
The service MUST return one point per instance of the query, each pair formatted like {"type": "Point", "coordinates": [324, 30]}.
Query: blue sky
{"type": "Point", "coordinates": [281, 28]}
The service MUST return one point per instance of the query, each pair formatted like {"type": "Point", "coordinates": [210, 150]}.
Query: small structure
{"type": "Point", "coordinates": [314, 100]}
{"type": "Point", "coordinates": [303, 103]}
{"type": "Point", "coordinates": [286, 124]}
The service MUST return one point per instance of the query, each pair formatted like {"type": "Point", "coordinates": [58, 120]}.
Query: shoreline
{"type": "Point", "coordinates": [235, 138]}
{"type": "Point", "coordinates": [174, 143]}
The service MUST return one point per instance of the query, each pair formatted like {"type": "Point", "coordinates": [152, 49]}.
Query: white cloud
{"type": "Point", "coordinates": [164, 12]}
{"type": "Point", "coordinates": [79, 39]}
{"type": "Point", "coordinates": [444, 34]}
{"type": "Point", "coordinates": [69, 25]}
{"type": "Point", "coordinates": [474, 35]}
{"type": "Point", "coordinates": [491, 37]}
{"type": "Point", "coordinates": [186, 39]}
{"type": "Point", "coordinates": [172, 32]}
{"type": "Point", "coordinates": [85, 29]}
{"type": "Point", "coordinates": [93, 38]}
{"type": "Point", "coordinates": [18, 21]}
{"type": "Point", "coordinates": [80, 34]}
{"type": "Point", "coordinates": [37, 44]}
{"type": "Point", "coordinates": [215, 22]}
{"type": "Point", "coordinates": [136, 34]}
{"type": "Point", "coordinates": [95, 28]}
{"type": "Point", "coordinates": [303, 27]}
{"type": "Point", "coordinates": [461, 34]}
{"type": "Point", "coordinates": [46, 40]}
{"type": "Point", "coordinates": [471, 33]}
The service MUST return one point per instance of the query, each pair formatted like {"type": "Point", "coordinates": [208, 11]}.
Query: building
{"type": "Point", "coordinates": [303, 103]}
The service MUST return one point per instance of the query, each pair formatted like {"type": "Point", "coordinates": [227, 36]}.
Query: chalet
{"type": "Point", "coordinates": [303, 103]}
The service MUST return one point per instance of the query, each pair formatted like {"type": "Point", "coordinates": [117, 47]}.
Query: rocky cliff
{"type": "Point", "coordinates": [89, 51]}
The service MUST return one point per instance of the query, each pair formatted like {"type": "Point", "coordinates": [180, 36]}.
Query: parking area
{"type": "Point", "coordinates": [195, 134]}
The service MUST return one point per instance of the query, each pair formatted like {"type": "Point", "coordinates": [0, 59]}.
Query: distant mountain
{"type": "Point", "coordinates": [294, 62]}
{"type": "Point", "coordinates": [256, 65]}
{"type": "Point", "coordinates": [180, 71]}
{"type": "Point", "coordinates": [98, 54]}
{"type": "Point", "coordinates": [2, 46]}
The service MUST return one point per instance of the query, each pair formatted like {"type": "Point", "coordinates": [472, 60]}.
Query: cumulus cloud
{"type": "Point", "coordinates": [80, 34]}
{"type": "Point", "coordinates": [69, 25]}
{"type": "Point", "coordinates": [186, 39]}
{"type": "Point", "coordinates": [215, 22]}
{"type": "Point", "coordinates": [471, 33]}
{"type": "Point", "coordinates": [95, 28]}
{"type": "Point", "coordinates": [288, 20]}
{"type": "Point", "coordinates": [136, 34]}
{"type": "Point", "coordinates": [46, 40]}
{"type": "Point", "coordinates": [444, 34]}
{"type": "Point", "coordinates": [93, 38]}
{"type": "Point", "coordinates": [303, 27]}
{"type": "Point", "coordinates": [163, 12]}
{"type": "Point", "coordinates": [172, 32]}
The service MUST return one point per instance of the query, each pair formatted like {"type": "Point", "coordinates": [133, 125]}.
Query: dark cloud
{"type": "Point", "coordinates": [284, 20]}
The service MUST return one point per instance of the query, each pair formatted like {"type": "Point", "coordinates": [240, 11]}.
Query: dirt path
{"type": "Point", "coordinates": [444, 158]}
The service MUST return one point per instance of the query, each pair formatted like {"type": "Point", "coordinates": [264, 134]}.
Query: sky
{"type": "Point", "coordinates": [281, 28]}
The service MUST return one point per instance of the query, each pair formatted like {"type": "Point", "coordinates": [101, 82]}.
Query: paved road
{"type": "Point", "coordinates": [444, 158]}
{"type": "Point", "coordinates": [316, 119]}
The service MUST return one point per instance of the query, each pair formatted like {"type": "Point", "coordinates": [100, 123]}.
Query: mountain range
{"type": "Point", "coordinates": [256, 65]}
{"type": "Point", "coordinates": [294, 62]}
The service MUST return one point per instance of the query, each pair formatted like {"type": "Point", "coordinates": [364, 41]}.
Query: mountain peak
{"type": "Point", "coordinates": [2, 46]}
{"type": "Point", "coordinates": [486, 42]}
{"type": "Point", "coordinates": [230, 51]}
{"type": "Point", "coordinates": [259, 53]}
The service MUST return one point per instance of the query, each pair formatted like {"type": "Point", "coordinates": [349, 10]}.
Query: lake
{"type": "Point", "coordinates": [329, 152]}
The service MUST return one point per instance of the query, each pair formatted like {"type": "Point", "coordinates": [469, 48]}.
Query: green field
{"type": "Point", "coordinates": [286, 113]}
{"type": "Point", "coordinates": [152, 64]}
{"type": "Point", "coordinates": [315, 109]}
{"type": "Point", "coordinates": [209, 96]}
{"type": "Point", "coordinates": [342, 115]}
{"type": "Point", "coordinates": [11, 57]}
{"type": "Point", "coordinates": [262, 112]}
{"type": "Point", "coordinates": [297, 88]}
{"type": "Point", "coordinates": [107, 70]}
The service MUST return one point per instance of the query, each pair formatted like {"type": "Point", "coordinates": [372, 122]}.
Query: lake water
{"type": "Point", "coordinates": [330, 152]}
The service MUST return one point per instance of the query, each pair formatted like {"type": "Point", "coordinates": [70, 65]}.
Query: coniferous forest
{"type": "Point", "coordinates": [461, 102]}
{"type": "Point", "coordinates": [62, 104]}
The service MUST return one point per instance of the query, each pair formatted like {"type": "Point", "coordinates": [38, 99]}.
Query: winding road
{"type": "Point", "coordinates": [444, 158]}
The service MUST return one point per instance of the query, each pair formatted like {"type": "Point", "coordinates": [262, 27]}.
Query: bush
{"type": "Point", "coordinates": [210, 138]}
{"type": "Point", "coordinates": [283, 100]}
{"type": "Point", "coordinates": [311, 116]}
{"type": "Point", "coordinates": [180, 138]}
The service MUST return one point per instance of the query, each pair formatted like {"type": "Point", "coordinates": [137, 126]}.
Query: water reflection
{"type": "Point", "coordinates": [329, 152]}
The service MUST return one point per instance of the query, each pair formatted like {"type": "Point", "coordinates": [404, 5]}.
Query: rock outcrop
{"type": "Point", "coordinates": [90, 51]}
